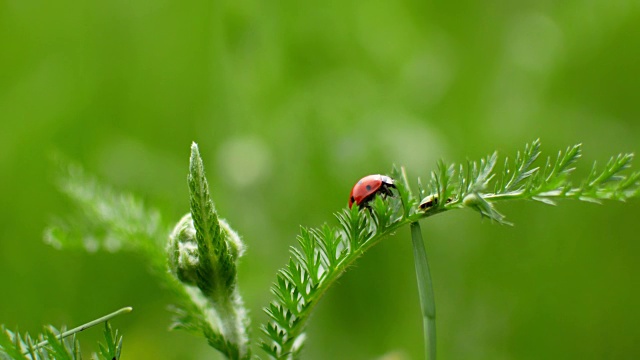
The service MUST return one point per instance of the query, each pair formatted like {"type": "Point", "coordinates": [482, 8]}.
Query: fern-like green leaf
{"type": "Point", "coordinates": [11, 345]}
{"type": "Point", "coordinates": [54, 344]}
{"type": "Point", "coordinates": [297, 291]}
{"type": "Point", "coordinates": [298, 288]}
{"type": "Point", "coordinates": [106, 219]}
{"type": "Point", "coordinates": [112, 347]}
{"type": "Point", "coordinates": [61, 349]}
{"type": "Point", "coordinates": [113, 221]}
{"type": "Point", "coordinates": [116, 221]}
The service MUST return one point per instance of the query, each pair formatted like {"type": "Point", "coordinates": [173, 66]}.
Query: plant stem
{"type": "Point", "coordinates": [232, 320]}
{"type": "Point", "coordinates": [88, 325]}
{"type": "Point", "coordinates": [425, 291]}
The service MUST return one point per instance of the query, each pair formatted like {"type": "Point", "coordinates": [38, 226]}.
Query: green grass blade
{"type": "Point", "coordinates": [425, 291]}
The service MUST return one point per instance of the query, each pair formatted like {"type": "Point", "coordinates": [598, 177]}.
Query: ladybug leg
{"type": "Point", "coordinates": [365, 202]}
{"type": "Point", "coordinates": [386, 189]}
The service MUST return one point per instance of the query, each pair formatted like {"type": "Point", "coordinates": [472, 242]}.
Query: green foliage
{"type": "Point", "coordinates": [112, 347]}
{"type": "Point", "coordinates": [425, 291]}
{"type": "Point", "coordinates": [547, 183]}
{"type": "Point", "coordinates": [202, 250]}
{"type": "Point", "coordinates": [106, 219]}
{"type": "Point", "coordinates": [324, 255]}
{"type": "Point", "coordinates": [297, 290]}
{"type": "Point", "coordinates": [53, 345]}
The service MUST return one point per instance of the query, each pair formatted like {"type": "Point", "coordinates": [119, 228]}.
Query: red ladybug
{"type": "Point", "coordinates": [368, 187]}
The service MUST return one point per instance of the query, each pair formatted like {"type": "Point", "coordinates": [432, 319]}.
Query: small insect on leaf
{"type": "Point", "coordinates": [431, 202]}
{"type": "Point", "coordinates": [428, 202]}
{"type": "Point", "coordinates": [368, 187]}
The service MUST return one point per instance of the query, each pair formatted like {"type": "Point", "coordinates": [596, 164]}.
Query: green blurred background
{"type": "Point", "coordinates": [291, 103]}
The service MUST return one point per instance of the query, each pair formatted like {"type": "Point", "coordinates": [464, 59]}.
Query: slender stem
{"type": "Point", "coordinates": [425, 291]}
{"type": "Point", "coordinates": [87, 325]}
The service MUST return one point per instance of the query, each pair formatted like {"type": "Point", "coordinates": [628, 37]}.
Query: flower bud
{"type": "Point", "coordinates": [234, 243]}
{"type": "Point", "coordinates": [185, 257]}
{"type": "Point", "coordinates": [472, 200]}
{"type": "Point", "coordinates": [183, 251]}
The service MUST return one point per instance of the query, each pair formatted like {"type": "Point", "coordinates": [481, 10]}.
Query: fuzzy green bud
{"type": "Point", "coordinates": [234, 243]}
{"type": "Point", "coordinates": [203, 249]}
{"type": "Point", "coordinates": [472, 200]}
{"type": "Point", "coordinates": [203, 252]}
{"type": "Point", "coordinates": [185, 260]}
{"type": "Point", "coordinates": [183, 251]}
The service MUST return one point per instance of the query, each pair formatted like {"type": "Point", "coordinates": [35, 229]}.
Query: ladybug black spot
{"type": "Point", "coordinates": [368, 187]}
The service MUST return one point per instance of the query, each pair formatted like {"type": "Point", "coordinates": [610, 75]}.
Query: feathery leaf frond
{"type": "Point", "coordinates": [52, 344]}
{"type": "Point", "coordinates": [325, 253]}
{"type": "Point", "coordinates": [107, 219]}
{"type": "Point", "coordinates": [203, 249]}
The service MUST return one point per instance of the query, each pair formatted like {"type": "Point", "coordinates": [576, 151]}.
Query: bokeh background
{"type": "Point", "coordinates": [291, 103]}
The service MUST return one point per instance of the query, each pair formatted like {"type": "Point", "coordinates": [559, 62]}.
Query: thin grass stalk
{"type": "Point", "coordinates": [425, 291]}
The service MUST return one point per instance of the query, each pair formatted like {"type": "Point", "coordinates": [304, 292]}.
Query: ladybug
{"type": "Point", "coordinates": [368, 187]}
